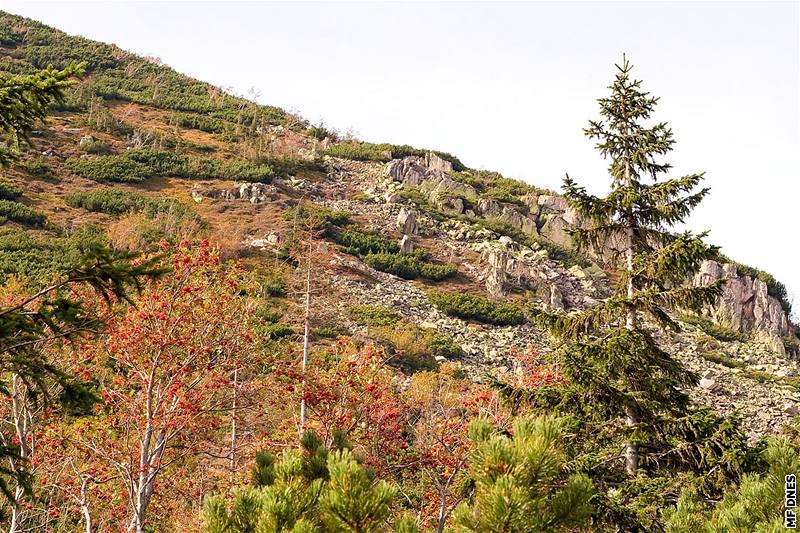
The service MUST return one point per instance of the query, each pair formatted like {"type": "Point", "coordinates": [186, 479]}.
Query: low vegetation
{"type": "Point", "coordinates": [21, 214]}
{"type": "Point", "coordinates": [360, 242]}
{"type": "Point", "coordinates": [38, 168]}
{"type": "Point", "coordinates": [364, 151]}
{"type": "Point", "coordinates": [96, 147]}
{"type": "Point", "coordinates": [38, 256]}
{"type": "Point", "coordinates": [473, 307]}
{"type": "Point", "coordinates": [371, 315]}
{"type": "Point", "coordinates": [409, 266]}
{"type": "Point", "coordinates": [9, 191]}
{"type": "Point", "coordinates": [139, 165]}
{"type": "Point", "coordinates": [122, 201]}
{"type": "Point", "coordinates": [713, 329]}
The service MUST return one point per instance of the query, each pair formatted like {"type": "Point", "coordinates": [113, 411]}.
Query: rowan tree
{"type": "Point", "coordinates": [350, 391]}
{"type": "Point", "coordinates": [165, 374]}
{"type": "Point", "coordinates": [442, 404]}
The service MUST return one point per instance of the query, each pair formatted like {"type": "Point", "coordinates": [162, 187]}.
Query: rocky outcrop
{"type": "Point", "coordinates": [255, 193]}
{"type": "Point", "coordinates": [406, 246]}
{"type": "Point", "coordinates": [407, 221]}
{"type": "Point", "coordinates": [745, 304]}
{"type": "Point", "coordinates": [489, 208]}
{"type": "Point", "coordinates": [437, 164]}
{"type": "Point", "coordinates": [429, 175]}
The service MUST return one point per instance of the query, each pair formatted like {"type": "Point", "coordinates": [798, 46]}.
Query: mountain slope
{"type": "Point", "coordinates": [141, 153]}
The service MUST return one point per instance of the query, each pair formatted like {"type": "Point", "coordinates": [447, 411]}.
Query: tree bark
{"type": "Point", "coordinates": [632, 418]}
{"type": "Point", "coordinates": [306, 329]}
{"type": "Point", "coordinates": [19, 404]}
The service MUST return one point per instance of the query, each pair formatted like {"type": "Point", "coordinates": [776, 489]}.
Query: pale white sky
{"type": "Point", "coordinates": [509, 86]}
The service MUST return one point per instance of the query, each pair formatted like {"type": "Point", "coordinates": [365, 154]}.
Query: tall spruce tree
{"type": "Point", "coordinates": [612, 352]}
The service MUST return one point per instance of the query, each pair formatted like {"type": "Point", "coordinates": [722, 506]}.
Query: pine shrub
{"type": "Point", "coordinates": [38, 168]}
{"type": "Point", "coordinates": [9, 191]}
{"type": "Point", "coordinates": [473, 307]}
{"type": "Point", "coordinates": [22, 214]}
{"type": "Point", "coordinates": [370, 315]}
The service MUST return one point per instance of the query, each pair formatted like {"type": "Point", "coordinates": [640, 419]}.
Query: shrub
{"type": "Point", "coordinates": [713, 329]}
{"type": "Point", "coordinates": [109, 168]}
{"type": "Point", "coordinates": [293, 165]}
{"type": "Point", "coordinates": [444, 346]}
{"type": "Point", "coordinates": [276, 331]}
{"type": "Point", "coordinates": [562, 254]}
{"type": "Point", "coordinates": [473, 307]}
{"type": "Point", "coordinates": [9, 191]}
{"type": "Point", "coordinates": [408, 346]}
{"type": "Point", "coordinates": [360, 242]}
{"type": "Point", "coordinates": [321, 218]}
{"type": "Point", "coordinates": [360, 151]}
{"type": "Point", "coordinates": [38, 168]}
{"type": "Point", "coordinates": [274, 285]}
{"type": "Point", "coordinates": [141, 164]}
{"type": "Point", "coordinates": [507, 190]}
{"type": "Point", "coordinates": [370, 315]}
{"type": "Point", "coordinates": [122, 201]}
{"type": "Point", "coordinates": [270, 314]}
{"type": "Point", "coordinates": [158, 162]}
{"type": "Point", "coordinates": [21, 214]}
{"type": "Point", "coordinates": [364, 151]}
{"type": "Point", "coordinates": [409, 266]}
{"type": "Point", "coordinates": [244, 170]}
{"type": "Point", "coordinates": [403, 266]}
{"type": "Point", "coordinates": [200, 122]}
{"type": "Point", "coordinates": [437, 272]}
{"type": "Point", "coordinates": [332, 332]}
{"type": "Point", "coordinates": [109, 201]}
{"type": "Point", "coordinates": [37, 256]}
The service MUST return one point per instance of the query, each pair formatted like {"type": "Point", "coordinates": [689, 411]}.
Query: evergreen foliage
{"type": "Point", "coordinates": [370, 315]}
{"type": "Point", "coordinates": [621, 386]}
{"type": "Point", "coordinates": [364, 151]}
{"type": "Point", "coordinates": [409, 266]}
{"type": "Point", "coordinates": [38, 168]}
{"type": "Point", "coordinates": [756, 505]}
{"type": "Point", "coordinates": [312, 489]}
{"type": "Point", "coordinates": [612, 353]}
{"type": "Point", "coordinates": [361, 242]}
{"type": "Point", "coordinates": [521, 484]}
{"type": "Point", "coordinates": [24, 101]}
{"type": "Point", "coordinates": [473, 307]}
{"type": "Point", "coordinates": [21, 214]}
{"type": "Point", "coordinates": [9, 191]}
{"type": "Point", "coordinates": [141, 164]}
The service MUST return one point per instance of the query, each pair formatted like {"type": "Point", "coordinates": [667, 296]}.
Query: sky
{"type": "Point", "coordinates": [510, 86]}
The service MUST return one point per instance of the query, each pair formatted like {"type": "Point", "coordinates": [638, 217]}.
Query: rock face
{"type": "Point", "coordinates": [406, 246]}
{"type": "Point", "coordinates": [498, 273]}
{"type": "Point", "coordinates": [407, 221]}
{"type": "Point", "coordinates": [745, 304]}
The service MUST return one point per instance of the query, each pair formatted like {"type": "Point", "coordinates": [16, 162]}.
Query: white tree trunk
{"type": "Point", "coordinates": [306, 330]}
